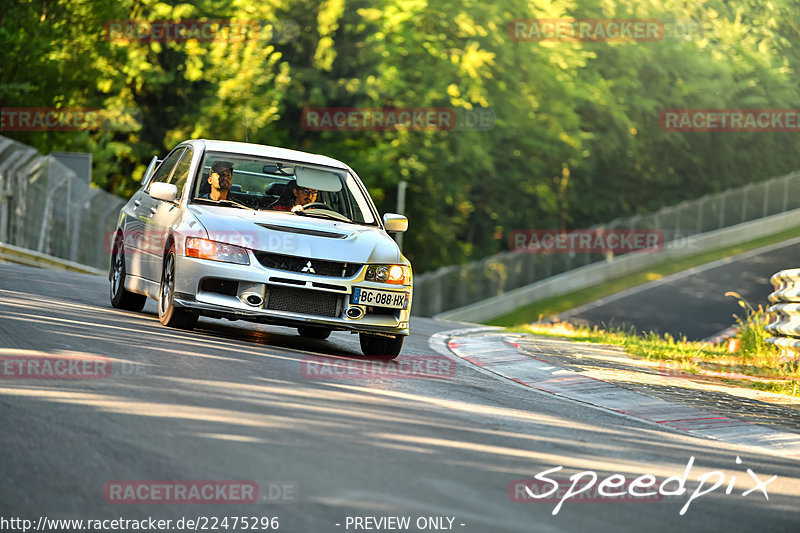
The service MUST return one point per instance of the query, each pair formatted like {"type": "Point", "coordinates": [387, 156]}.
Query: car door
{"type": "Point", "coordinates": [133, 228]}
{"type": "Point", "coordinates": [165, 214]}
{"type": "Point", "coordinates": [148, 251]}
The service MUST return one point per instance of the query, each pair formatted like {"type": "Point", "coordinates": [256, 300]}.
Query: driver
{"type": "Point", "coordinates": [220, 178]}
{"type": "Point", "coordinates": [295, 199]}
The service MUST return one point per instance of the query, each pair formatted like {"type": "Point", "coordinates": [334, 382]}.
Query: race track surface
{"type": "Point", "coordinates": [237, 401]}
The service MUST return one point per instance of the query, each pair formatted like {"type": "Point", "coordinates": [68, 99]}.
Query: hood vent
{"type": "Point", "coordinates": [305, 231]}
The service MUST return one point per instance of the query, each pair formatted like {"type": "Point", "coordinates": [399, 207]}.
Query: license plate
{"type": "Point", "coordinates": [393, 300]}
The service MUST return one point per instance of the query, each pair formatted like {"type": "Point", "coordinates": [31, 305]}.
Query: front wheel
{"type": "Point", "coordinates": [383, 347]}
{"type": "Point", "coordinates": [168, 314]}
{"type": "Point", "coordinates": [122, 298]}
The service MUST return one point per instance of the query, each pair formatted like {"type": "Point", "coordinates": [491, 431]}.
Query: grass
{"type": "Point", "coordinates": [558, 304]}
{"type": "Point", "coordinates": [753, 364]}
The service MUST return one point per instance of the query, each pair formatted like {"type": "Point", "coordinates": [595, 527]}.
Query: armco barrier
{"type": "Point", "coordinates": [23, 256]}
{"type": "Point", "coordinates": [459, 287]}
{"type": "Point", "coordinates": [594, 274]}
{"type": "Point", "coordinates": [785, 309]}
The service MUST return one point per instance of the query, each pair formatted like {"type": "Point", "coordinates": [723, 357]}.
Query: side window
{"type": "Point", "coordinates": [363, 211]}
{"type": "Point", "coordinates": [164, 171]}
{"type": "Point", "coordinates": [181, 173]}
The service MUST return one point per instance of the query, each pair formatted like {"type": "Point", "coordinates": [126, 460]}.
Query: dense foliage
{"type": "Point", "coordinates": [577, 138]}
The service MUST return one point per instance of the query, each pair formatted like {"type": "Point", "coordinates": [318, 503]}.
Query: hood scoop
{"type": "Point", "coordinates": [305, 231]}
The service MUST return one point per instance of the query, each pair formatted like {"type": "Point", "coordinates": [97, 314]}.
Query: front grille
{"type": "Point", "coordinates": [307, 302]}
{"type": "Point", "coordinates": [292, 263]}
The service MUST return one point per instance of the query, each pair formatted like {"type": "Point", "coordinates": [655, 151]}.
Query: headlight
{"type": "Point", "coordinates": [395, 274]}
{"type": "Point", "coordinates": [216, 251]}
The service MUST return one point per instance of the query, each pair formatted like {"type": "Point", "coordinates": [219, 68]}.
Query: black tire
{"type": "Point", "coordinates": [120, 297]}
{"type": "Point", "coordinates": [383, 347]}
{"type": "Point", "coordinates": [168, 314]}
{"type": "Point", "coordinates": [314, 332]}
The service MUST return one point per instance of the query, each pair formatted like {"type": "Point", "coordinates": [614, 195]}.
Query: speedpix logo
{"type": "Point", "coordinates": [616, 487]}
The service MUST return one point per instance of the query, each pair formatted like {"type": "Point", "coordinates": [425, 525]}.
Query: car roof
{"type": "Point", "coordinates": [270, 152]}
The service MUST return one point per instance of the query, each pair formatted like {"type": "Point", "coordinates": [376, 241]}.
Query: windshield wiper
{"type": "Point", "coordinates": [227, 203]}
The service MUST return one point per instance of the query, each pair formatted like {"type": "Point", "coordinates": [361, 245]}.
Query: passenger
{"type": "Point", "coordinates": [220, 178]}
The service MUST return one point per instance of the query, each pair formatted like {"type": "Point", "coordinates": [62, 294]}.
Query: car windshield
{"type": "Point", "coordinates": [273, 185]}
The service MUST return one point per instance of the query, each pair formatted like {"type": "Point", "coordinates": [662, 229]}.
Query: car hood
{"type": "Point", "coordinates": [290, 234]}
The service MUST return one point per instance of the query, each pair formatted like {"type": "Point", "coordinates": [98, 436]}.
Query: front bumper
{"type": "Point", "coordinates": [220, 290]}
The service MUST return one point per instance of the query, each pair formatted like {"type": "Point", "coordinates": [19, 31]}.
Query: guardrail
{"type": "Point", "coordinates": [597, 273]}
{"type": "Point", "coordinates": [457, 288]}
{"type": "Point", "coordinates": [23, 256]}
{"type": "Point", "coordinates": [785, 310]}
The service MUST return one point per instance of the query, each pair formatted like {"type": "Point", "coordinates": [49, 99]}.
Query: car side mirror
{"type": "Point", "coordinates": [395, 223]}
{"type": "Point", "coordinates": [166, 192]}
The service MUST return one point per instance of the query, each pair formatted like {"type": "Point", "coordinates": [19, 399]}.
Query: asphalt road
{"type": "Point", "coordinates": [230, 401]}
{"type": "Point", "coordinates": [693, 303]}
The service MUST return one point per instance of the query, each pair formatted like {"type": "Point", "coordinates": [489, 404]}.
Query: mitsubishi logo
{"type": "Point", "coordinates": [308, 268]}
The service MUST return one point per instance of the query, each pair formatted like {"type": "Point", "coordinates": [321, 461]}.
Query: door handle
{"type": "Point", "coordinates": [136, 203]}
{"type": "Point", "coordinates": [153, 211]}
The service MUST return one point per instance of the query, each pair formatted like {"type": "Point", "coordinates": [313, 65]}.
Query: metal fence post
{"type": "Point", "coordinates": [786, 193]}
{"type": "Point", "coordinates": [744, 203]}
{"type": "Point", "coordinates": [81, 209]}
{"type": "Point", "coordinates": [44, 234]}
{"type": "Point", "coordinates": [766, 196]}
{"type": "Point", "coordinates": [700, 208]}
{"type": "Point", "coordinates": [69, 219]}
{"type": "Point", "coordinates": [724, 196]}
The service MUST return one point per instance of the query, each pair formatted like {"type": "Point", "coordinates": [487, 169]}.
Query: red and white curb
{"type": "Point", "coordinates": [497, 353]}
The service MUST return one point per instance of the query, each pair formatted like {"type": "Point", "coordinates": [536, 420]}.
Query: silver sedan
{"type": "Point", "coordinates": [251, 232]}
